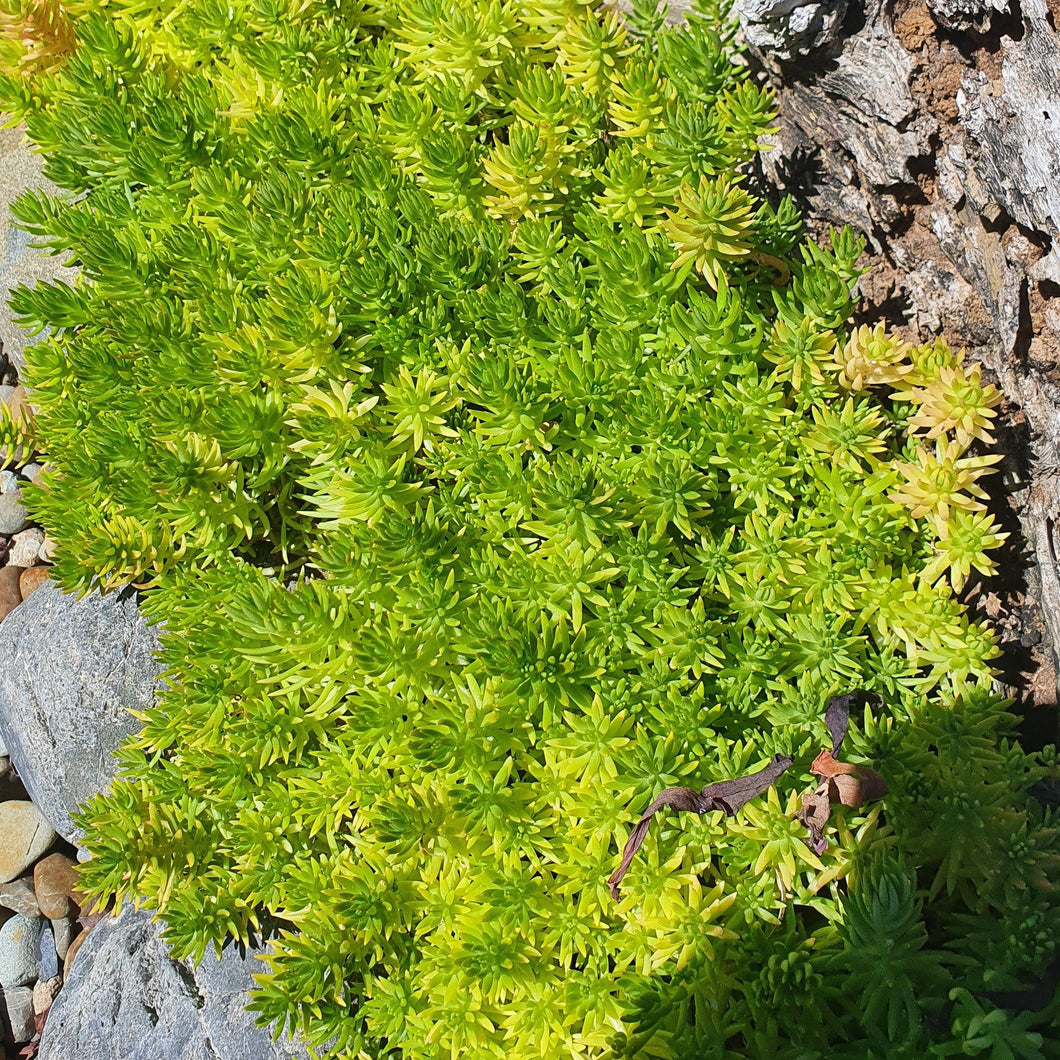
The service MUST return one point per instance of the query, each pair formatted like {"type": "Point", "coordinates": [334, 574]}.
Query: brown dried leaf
{"type": "Point", "coordinates": [852, 782]}
{"type": "Point", "coordinates": [837, 716]}
{"type": "Point", "coordinates": [728, 796]}
{"type": "Point", "coordinates": [842, 783]}
{"type": "Point", "coordinates": [816, 809]}
{"type": "Point", "coordinates": [824, 765]}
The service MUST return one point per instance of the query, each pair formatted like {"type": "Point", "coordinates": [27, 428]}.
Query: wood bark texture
{"type": "Point", "coordinates": [935, 131]}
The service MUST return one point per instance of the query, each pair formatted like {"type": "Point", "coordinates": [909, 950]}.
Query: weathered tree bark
{"type": "Point", "coordinates": [935, 130]}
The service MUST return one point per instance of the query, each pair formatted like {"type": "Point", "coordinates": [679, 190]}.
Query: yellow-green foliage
{"type": "Point", "coordinates": [495, 459]}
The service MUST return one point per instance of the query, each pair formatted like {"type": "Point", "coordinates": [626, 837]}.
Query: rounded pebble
{"type": "Point", "coordinates": [8, 481]}
{"type": "Point", "coordinates": [25, 547]}
{"type": "Point", "coordinates": [18, 895]}
{"type": "Point", "coordinates": [12, 514]}
{"type": "Point", "coordinates": [18, 952]}
{"type": "Point", "coordinates": [18, 1000]}
{"type": "Point", "coordinates": [31, 579]}
{"type": "Point", "coordinates": [19, 404]}
{"type": "Point", "coordinates": [65, 930]}
{"type": "Point", "coordinates": [55, 880]}
{"type": "Point", "coordinates": [45, 992]}
{"type": "Point", "coordinates": [47, 549]}
{"type": "Point", "coordinates": [24, 836]}
{"type": "Point", "coordinates": [30, 471]}
{"type": "Point", "coordinates": [47, 958]}
{"type": "Point", "coordinates": [10, 594]}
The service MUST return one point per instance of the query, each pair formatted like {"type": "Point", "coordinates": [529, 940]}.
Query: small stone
{"type": "Point", "coordinates": [24, 836]}
{"type": "Point", "coordinates": [10, 594]}
{"type": "Point", "coordinates": [55, 880]}
{"type": "Point", "coordinates": [20, 405]}
{"type": "Point", "coordinates": [65, 930]}
{"type": "Point", "coordinates": [31, 579]}
{"type": "Point", "coordinates": [47, 549]}
{"type": "Point", "coordinates": [45, 992]}
{"type": "Point", "coordinates": [25, 547]}
{"type": "Point", "coordinates": [18, 895]}
{"type": "Point", "coordinates": [31, 471]}
{"type": "Point", "coordinates": [12, 514]}
{"type": "Point", "coordinates": [8, 481]}
{"type": "Point", "coordinates": [46, 955]}
{"type": "Point", "coordinates": [18, 952]}
{"type": "Point", "coordinates": [71, 953]}
{"type": "Point", "coordinates": [18, 1000]}
{"type": "Point", "coordinates": [5, 394]}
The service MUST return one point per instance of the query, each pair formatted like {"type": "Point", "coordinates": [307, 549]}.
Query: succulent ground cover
{"type": "Point", "coordinates": [495, 460]}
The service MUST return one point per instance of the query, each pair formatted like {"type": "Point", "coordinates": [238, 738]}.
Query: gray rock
{"type": "Point", "coordinates": [19, 263]}
{"type": "Point", "coordinates": [73, 671]}
{"type": "Point", "coordinates": [12, 514]}
{"type": "Point", "coordinates": [5, 393]}
{"type": "Point", "coordinates": [18, 952]}
{"type": "Point", "coordinates": [65, 931]}
{"type": "Point", "coordinates": [8, 481]}
{"type": "Point", "coordinates": [18, 1007]}
{"type": "Point", "coordinates": [25, 547]}
{"type": "Point", "coordinates": [18, 895]}
{"type": "Point", "coordinates": [30, 471]}
{"type": "Point", "coordinates": [46, 955]}
{"type": "Point", "coordinates": [126, 999]}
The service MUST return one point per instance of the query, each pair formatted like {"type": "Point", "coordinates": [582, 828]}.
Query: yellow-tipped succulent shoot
{"type": "Point", "coordinates": [871, 357]}
{"type": "Point", "coordinates": [640, 97]}
{"type": "Point", "coordinates": [965, 540]}
{"type": "Point", "coordinates": [591, 50]}
{"type": "Point", "coordinates": [711, 226]}
{"type": "Point", "coordinates": [929, 358]}
{"type": "Point", "coordinates": [941, 481]}
{"type": "Point", "coordinates": [35, 37]}
{"type": "Point", "coordinates": [955, 402]}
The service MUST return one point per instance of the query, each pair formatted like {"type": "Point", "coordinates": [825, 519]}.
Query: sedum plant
{"type": "Point", "coordinates": [495, 458]}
